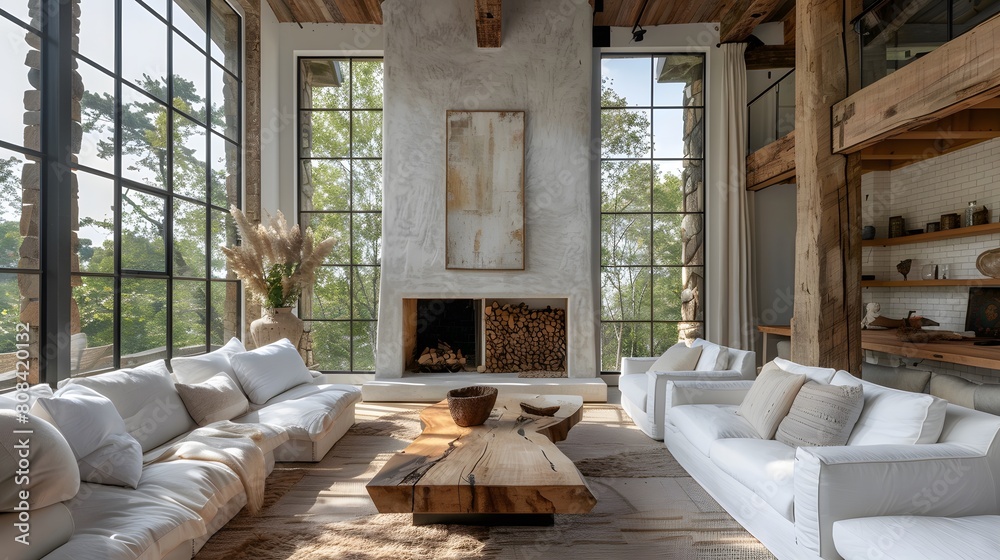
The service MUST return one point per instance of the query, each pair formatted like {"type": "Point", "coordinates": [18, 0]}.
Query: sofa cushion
{"type": "Point", "coordinates": [916, 538]}
{"type": "Point", "coordinates": [821, 415]}
{"type": "Point", "coordinates": [306, 411]}
{"type": "Point", "coordinates": [891, 416]}
{"type": "Point", "coordinates": [217, 398]}
{"type": "Point", "coordinates": [678, 357]}
{"type": "Point", "coordinates": [54, 475]}
{"type": "Point", "coordinates": [270, 370]}
{"type": "Point", "coordinates": [901, 378]}
{"type": "Point", "coordinates": [105, 452]}
{"type": "Point", "coordinates": [147, 401]}
{"type": "Point", "coordinates": [954, 390]}
{"type": "Point", "coordinates": [196, 369]}
{"type": "Point", "coordinates": [818, 374]}
{"type": "Point", "coordinates": [769, 399]}
{"type": "Point", "coordinates": [703, 424]}
{"type": "Point", "coordinates": [713, 357]}
{"type": "Point", "coordinates": [634, 387]}
{"type": "Point", "coordinates": [765, 467]}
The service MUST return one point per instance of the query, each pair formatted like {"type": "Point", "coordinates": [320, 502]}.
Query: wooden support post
{"type": "Point", "coordinates": [826, 328]}
{"type": "Point", "coordinates": [488, 23]}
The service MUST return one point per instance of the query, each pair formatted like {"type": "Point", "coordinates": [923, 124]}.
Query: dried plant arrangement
{"type": "Point", "coordinates": [275, 261]}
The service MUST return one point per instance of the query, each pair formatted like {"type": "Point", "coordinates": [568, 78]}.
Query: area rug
{"type": "Point", "coordinates": [648, 507]}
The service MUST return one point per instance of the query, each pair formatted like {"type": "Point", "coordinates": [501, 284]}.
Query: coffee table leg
{"type": "Point", "coordinates": [485, 519]}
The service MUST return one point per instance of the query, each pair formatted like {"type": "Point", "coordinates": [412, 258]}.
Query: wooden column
{"type": "Point", "coordinates": [826, 328]}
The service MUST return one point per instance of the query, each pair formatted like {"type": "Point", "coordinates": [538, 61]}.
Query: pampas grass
{"type": "Point", "coordinates": [275, 261]}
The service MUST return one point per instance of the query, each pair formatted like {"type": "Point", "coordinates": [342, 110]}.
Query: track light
{"type": "Point", "coordinates": [637, 33]}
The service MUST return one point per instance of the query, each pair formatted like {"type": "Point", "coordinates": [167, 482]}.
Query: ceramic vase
{"type": "Point", "coordinates": [274, 324]}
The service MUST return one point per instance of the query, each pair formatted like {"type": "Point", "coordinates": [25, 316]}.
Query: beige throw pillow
{"type": "Point", "coordinates": [821, 415]}
{"type": "Point", "coordinates": [677, 358]}
{"type": "Point", "coordinates": [218, 398]}
{"type": "Point", "coordinates": [769, 399]}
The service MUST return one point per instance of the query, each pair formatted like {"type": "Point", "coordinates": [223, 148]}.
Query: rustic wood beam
{"type": "Point", "coordinates": [767, 57]}
{"type": "Point", "coordinates": [489, 18]}
{"type": "Point", "coordinates": [772, 164]}
{"type": "Point", "coordinates": [826, 327]}
{"type": "Point", "coordinates": [789, 24]}
{"type": "Point", "coordinates": [743, 16]}
{"type": "Point", "coordinates": [960, 74]}
{"type": "Point", "coordinates": [281, 10]}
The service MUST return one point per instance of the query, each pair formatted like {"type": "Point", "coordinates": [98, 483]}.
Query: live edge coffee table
{"type": "Point", "coordinates": [505, 472]}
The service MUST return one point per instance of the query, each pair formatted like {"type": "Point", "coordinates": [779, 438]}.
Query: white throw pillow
{"type": "Point", "coordinates": [54, 476]}
{"type": "Point", "coordinates": [820, 375]}
{"type": "Point", "coordinates": [821, 415]}
{"type": "Point", "coordinates": [270, 370]}
{"type": "Point", "coordinates": [769, 398]}
{"type": "Point", "coordinates": [891, 416]}
{"type": "Point", "coordinates": [677, 358]}
{"type": "Point", "coordinates": [105, 452]}
{"type": "Point", "coordinates": [196, 369]}
{"type": "Point", "coordinates": [219, 398]}
{"type": "Point", "coordinates": [713, 357]}
{"type": "Point", "coordinates": [11, 400]}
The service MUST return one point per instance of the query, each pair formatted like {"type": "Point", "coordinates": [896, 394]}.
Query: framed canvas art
{"type": "Point", "coordinates": [484, 210]}
{"type": "Point", "coordinates": [983, 315]}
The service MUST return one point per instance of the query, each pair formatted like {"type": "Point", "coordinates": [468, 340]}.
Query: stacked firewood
{"type": "Point", "coordinates": [521, 339]}
{"type": "Point", "coordinates": [441, 358]}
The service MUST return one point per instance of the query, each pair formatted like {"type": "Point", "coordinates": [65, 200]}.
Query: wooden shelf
{"type": "Point", "coordinates": [985, 229]}
{"type": "Point", "coordinates": [962, 352]}
{"type": "Point", "coordinates": [930, 283]}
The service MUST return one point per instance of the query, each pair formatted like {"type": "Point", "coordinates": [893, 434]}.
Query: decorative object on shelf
{"type": "Point", "coordinates": [914, 231]}
{"type": "Point", "coordinates": [484, 185]}
{"type": "Point", "coordinates": [471, 406]}
{"type": "Point", "coordinates": [981, 216]}
{"type": "Point", "coordinates": [929, 272]}
{"type": "Point", "coordinates": [970, 212]}
{"type": "Point", "coordinates": [871, 313]}
{"type": "Point", "coordinates": [868, 232]}
{"type": "Point", "coordinates": [988, 263]}
{"type": "Point", "coordinates": [945, 271]}
{"type": "Point", "coordinates": [983, 314]}
{"type": "Point", "coordinates": [949, 221]}
{"type": "Point", "coordinates": [867, 276]}
{"type": "Point", "coordinates": [916, 334]}
{"type": "Point", "coordinates": [896, 226]}
{"type": "Point", "coordinates": [933, 227]}
{"type": "Point", "coordinates": [539, 410]}
{"type": "Point", "coordinates": [904, 267]}
{"type": "Point", "coordinates": [276, 262]}
{"type": "Point", "coordinates": [873, 318]}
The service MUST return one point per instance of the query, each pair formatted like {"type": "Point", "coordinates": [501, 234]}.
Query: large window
{"type": "Point", "coordinates": [155, 144]}
{"type": "Point", "coordinates": [340, 196]}
{"type": "Point", "coordinates": [652, 203]}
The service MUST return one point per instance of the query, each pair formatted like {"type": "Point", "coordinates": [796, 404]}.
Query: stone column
{"type": "Point", "coordinates": [692, 225]}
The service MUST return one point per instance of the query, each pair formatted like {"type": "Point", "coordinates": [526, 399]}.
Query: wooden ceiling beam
{"type": "Point", "coordinates": [772, 164]}
{"type": "Point", "coordinates": [743, 16]}
{"type": "Point", "coordinates": [768, 57]}
{"type": "Point", "coordinates": [489, 20]}
{"type": "Point", "coordinates": [281, 11]}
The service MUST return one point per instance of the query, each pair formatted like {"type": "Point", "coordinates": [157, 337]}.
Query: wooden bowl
{"type": "Point", "coordinates": [539, 410]}
{"type": "Point", "coordinates": [471, 406]}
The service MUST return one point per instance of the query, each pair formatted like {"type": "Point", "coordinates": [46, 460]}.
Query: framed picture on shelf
{"type": "Point", "coordinates": [983, 315]}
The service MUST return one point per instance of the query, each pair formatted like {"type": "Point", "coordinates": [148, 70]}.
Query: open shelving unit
{"type": "Point", "coordinates": [930, 283]}
{"type": "Point", "coordinates": [970, 231]}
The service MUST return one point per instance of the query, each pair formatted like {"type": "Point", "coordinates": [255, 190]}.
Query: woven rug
{"type": "Point", "coordinates": [648, 507]}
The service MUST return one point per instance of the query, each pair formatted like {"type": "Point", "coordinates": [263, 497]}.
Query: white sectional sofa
{"type": "Point", "coordinates": [791, 498]}
{"type": "Point", "coordinates": [178, 505]}
{"type": "Point", "coordinates": [644, 391]}
{"type": "Point", "coordinates": [919, 538]}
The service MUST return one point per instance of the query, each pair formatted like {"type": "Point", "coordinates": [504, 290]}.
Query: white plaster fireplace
{"type": "Point", "coordinates": [543, 68]}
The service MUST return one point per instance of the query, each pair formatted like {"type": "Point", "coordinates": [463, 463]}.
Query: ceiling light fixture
{"type": "Point", "coordinates": [637, 31]}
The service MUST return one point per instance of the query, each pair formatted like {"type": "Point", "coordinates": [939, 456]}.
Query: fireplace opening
{"type": "Point", "coordinates": [447, 335]}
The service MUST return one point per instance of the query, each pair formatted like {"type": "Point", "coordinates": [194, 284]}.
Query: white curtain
{"type": "Point", "coordinates": [735, 208]}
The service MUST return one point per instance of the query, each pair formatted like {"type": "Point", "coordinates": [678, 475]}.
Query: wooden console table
{"type": "Point", "coordinates": [777, 330]}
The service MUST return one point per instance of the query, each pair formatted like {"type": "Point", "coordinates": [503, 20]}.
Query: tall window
{"type": "Point", "coordinates": [20, 165]}
{"type": "Point", "coordinates": [340, 196]}
{"type": "Point", "coordinates": [652, 203]}
{"type": "Point", "coordinates": [159, 167]}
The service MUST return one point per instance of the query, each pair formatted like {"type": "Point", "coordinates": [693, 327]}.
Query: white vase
{"type": "Point", "coordinates": [274, 324]}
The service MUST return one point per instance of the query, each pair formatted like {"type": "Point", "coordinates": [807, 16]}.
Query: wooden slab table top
{"type": "Point", "coordinates": [509, 465]}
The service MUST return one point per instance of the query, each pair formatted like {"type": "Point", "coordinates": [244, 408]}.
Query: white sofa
{"type": "Point", "coordinates": [644, 391]}
{"type": "Point", "coordinates": [791, 498]}
{"type": "Point", "coordinates": [910, 537]}
{"type": "Point", "coordinates": [179, 504]}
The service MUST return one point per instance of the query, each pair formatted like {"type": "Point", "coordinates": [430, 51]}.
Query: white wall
{"type": "Point", "coordinates": [774, 257]}
{"type": "Point", "coordinates": [921, 193]}
{"type": "Point", "coordinates": [432, 65]}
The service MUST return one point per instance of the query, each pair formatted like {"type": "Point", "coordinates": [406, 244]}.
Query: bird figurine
{"type": "Point", "coordinates": [904, 267]}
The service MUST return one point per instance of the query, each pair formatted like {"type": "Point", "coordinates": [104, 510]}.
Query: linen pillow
{"type": "Point", "coordinates": [891, 416]}
{"type": "Point", "coordinates": [769, 399]}
{"type": "Point", "coordinates": [104, 451]}
{"type": "Point", "coordinates": [196, 369]}
{"type": "Point", "coordinates": [10, 401]}
{"type": "Point", "coordinates": [677, 358]}
{"type": "Point", "coordinates": [218, 398]}
{"type": "Point", "coordinates": [821, 415]}
{"type": "Point", "coordinates": [54, 474]}
{"type": "Point", "coordinates": [146, 399]}
{"type": "Point", "coordinates": [270, 370]}
{"type": "Point", "coordinates": [820, 375]}
{"type": "Point", "coordinates": [713, 357]}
